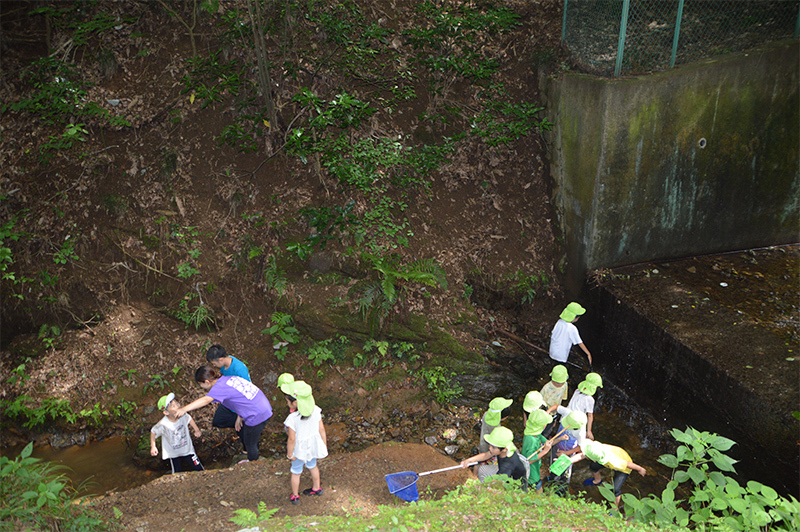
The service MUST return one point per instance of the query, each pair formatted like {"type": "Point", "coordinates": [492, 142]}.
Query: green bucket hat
{"type": "Point", "coordinates": [305, 399]}
{"type": "Point", "coordinates": [503, 438]}
{"type": "Point", "coordinates": [536, 423]}
{"type": "Point", "coordinates": [533, 401]}
{"type": "Point", "coordinates": [571, 311]}
{"type": "Point", "coordinates": [574, 420]}
{"type": "Point", "coordinates": [595, 379]}
{"type": "Point", "coordinates": [496, 407]}
{"type": "Point", "coordinates": [587, 387]}
{"type": "Point", "coordinates": [164, 402]}
{"type": "Point", "coordinates": [559, 373]}
{"type": "Point", "coordinates": [285, 378]}
{"type": "Point", "coordinates": [594, 451]}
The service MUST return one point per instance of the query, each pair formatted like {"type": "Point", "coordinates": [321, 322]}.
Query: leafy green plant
{"type": "Point", "coordinates": [250, 519]}
{"type": "Point", "coordinates": [502, 122]}
{"type": "Point", "coordinates": [391, 282]}
{"type": "Point", "coordinates": [19, 375]}
{"type": "Point", "coordinates": [94, 415]}
{"type": "Point", "coordinates": [527, 285]}
{"type": "Point", "coordinates": [716, 501]}
{"type": "Point", "coordinates": [50, 408]}
{"type": "Point", "coordinates": [197, 316]}
{"type": "Point", "coordinates": [283, 333]}
{"type": "Point", "coordinates": [49, 334]}
{"type": "Point", "coordinates": [275, 277]}
{"type": "Point", "coordinates": [34, 495]}
{"type": "Point", "coordinates": [129, 374]}
{"type": "Point", "coordinates": [67, 251]}
{"type": "Point", "coordinates": [441, 383]}
{"type": "Point", "coordinates": [157, 381]}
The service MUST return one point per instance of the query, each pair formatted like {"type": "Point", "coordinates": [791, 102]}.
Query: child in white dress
{"type": "Point", "coordinates": [307, 439]}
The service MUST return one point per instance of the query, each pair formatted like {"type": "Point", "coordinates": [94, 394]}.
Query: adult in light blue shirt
{"type": "Point", "coordinates": [229, 366]}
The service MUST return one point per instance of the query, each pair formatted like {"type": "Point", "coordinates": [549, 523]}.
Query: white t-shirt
{"type": "Point", "coordinates": [581, 402]}
{"type": "Point", "coordinates": [175, 440]}
{"type": "Point", "coordinates": [308, 442]}
{"type": "Point", "coordinates": [563, 337]}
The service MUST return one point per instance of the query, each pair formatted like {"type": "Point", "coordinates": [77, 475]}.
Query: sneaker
{"type": "Point", "coordinates": [590, 482]}
{"type": "Point", "coordinates": [295, 499]}
{"type": "Point", "coordinates": [310, 491]}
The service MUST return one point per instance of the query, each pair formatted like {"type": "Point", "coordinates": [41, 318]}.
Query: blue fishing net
{"type": "Point", "coordinates": [403, 485]}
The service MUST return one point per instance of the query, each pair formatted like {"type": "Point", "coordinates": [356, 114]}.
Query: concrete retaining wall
{"type": "Point", "coordinates": [696, 160]}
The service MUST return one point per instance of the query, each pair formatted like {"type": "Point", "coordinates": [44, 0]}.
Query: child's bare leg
{"type": "Point", "coordinates": [296, 484]}
{"type": "Point", "coordinates": [315, 481]}
{"type": "Point", "coordinates": [597, 478]}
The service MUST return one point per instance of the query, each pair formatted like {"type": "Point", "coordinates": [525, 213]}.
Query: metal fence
{"type": "Point", "coordinates": [615, 37]}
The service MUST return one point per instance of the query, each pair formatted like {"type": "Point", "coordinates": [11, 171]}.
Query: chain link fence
{"type": "Point", "coordinates": [615, 37]}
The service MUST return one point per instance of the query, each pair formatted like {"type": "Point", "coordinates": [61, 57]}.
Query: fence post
{"type": "Point", "coordinates": [796, 26]}
{"type": "Point", "coordinates": [564, 23]}
{"type": "Point", "coordinates": [678, 18]}
{"type": "Point", "coordinates": [623, 27]}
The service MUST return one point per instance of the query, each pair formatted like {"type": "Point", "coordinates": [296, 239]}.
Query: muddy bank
{"type": "Point", "coordinates": [353, 483]}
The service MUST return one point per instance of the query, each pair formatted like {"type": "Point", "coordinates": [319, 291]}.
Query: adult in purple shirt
{"type": "Point", "coordinates": [238, 395]}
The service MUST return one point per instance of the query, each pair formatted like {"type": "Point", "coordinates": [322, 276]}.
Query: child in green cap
{"type": "Point", "coordinates": [565, 334]}
{"type": "Point", "coordinates": [612, 457]}
{"type": "Point", "coordinates": [554, 393]}
{"type": "Point", "coordinates": [533, 401]}
{"type": "Point", "coordinates": [491, 420]}
{"type": "Point", "coordinates": [509, 462]}
{"type": "Point", "coordinates": [535, 446]}
{"type": "Point", "coordinates": [583, 399]}
{"type": "Point", "coordinates": [307, 441]}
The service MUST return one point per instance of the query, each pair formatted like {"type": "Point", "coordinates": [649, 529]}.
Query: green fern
{"type": "Point", "coordinates": [248, 518]}
{"type": "Point", "coordinates": [380, 293]}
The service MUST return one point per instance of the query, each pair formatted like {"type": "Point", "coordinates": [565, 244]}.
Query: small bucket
{"type": "Point", "coordinates": [559, 466]}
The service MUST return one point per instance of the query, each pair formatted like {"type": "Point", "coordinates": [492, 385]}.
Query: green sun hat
{"type": "Point", "coordinates": [575, 420]}
{"type": "Point", "coordinates": [496, 407]}
{"type": "Point", "coordinates": [559, 373]}
{"type": "Point", "coordinates": [536, 423]}
{"type": "Point", "coordinates": [595, 379]}
{"type": "Point", "coordinates": [285, 378]}
{"type": "Point", "coordinates": [503, 438]}
{"type": "Point", "coordinates": [305, 399]}
{"type": "Point", "coordinates": [594, 451]}
{"type": "Point", "coordinates": [533, 401]}
{"type": "Point", "coordinates": [571, 311]}
{"type": "Point", "coordinates": [587, 387]}
{"type": "Point", "coordinates": [164, 402]}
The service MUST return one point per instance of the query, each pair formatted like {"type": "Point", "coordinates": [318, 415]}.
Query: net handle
{"type": "Point", "coordinates": [444, 469]}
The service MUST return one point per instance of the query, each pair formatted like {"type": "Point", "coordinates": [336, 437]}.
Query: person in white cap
{"type": "Point", "coordinates": [176, 444]}
{"type": "Point", "coordinates": [565, 334]}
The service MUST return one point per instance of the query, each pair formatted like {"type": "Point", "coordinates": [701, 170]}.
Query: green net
{"type": "Point", "coordinates": [657, 34]}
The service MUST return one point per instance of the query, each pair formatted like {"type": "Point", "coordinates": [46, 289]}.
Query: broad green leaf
{"type": "Point", "coordinates": [26, 452]}
{"type": "Point", "coordinates": [696, 475]}
{"type": "Point", "coordinates": [738, 505]}
{"type": "Point", "coordinates": [719, 503]}
{"type": "Point", "coordinates": [722, 443]}
{"type": "Point", "coordinates": [770, 494]}
{"type": "Point", "coordinates": [681, 476]}
{"type": "Point", "coordinates": [718, 478]}
{"type": "Point", "coordinates": [669, 460]}
{"type": "Point", "coordinates": [723, 462]}
{"type": "Point", "coordinates": [680, 436]}
{"type": "Point", "coordinates": [668, 496]}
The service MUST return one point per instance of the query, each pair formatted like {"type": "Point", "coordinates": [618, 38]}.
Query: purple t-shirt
{"type": "Point", "coordinates": [243, 397]}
